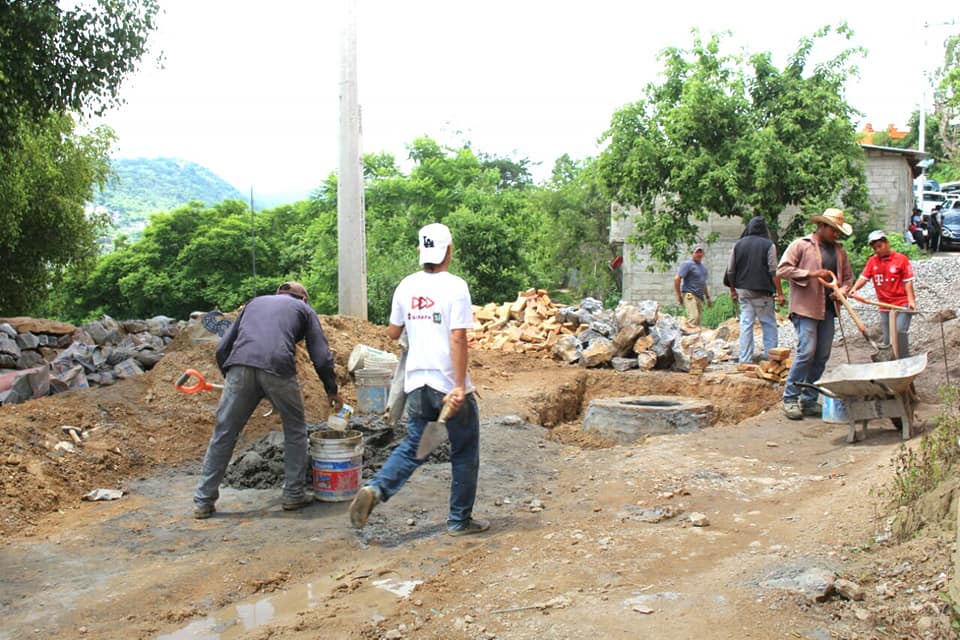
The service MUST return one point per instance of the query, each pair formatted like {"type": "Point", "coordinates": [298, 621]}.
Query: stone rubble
{"type": "Point", "coordinates": [39, 357]}
{"type": "Point", "coordinates": [640, 336]}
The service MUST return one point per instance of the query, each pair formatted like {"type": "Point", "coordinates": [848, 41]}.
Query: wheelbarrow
{"type": "Point", "coordinates": [875, 390]}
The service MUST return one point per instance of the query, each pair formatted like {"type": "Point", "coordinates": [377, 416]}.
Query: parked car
{"type": "Point", "coordinates": [932, 199]}
{"type": "Point", "coordinates": [950, 187]}
{"type": "Point", "coordinates": [950, 232]}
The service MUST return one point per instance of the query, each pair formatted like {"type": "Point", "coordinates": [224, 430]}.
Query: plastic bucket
{"type": "Point", "coordinates": [365, 357]}
{"type": "Point", "coordinates": [834, 411]}
{"type": "Point", "coordinates": [336, 458]}
{"type": "Point", "coordinates": [373, 389]}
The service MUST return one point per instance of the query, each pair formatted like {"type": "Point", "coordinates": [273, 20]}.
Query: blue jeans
{"type": "Point", "coordinates": [814, 342]}
{"type": "Point", "coordinates": [750, 309]}
{"type": "Point", "coordinates": [423, 406]}
{"type": "Point", "coordinates": [243, 390]}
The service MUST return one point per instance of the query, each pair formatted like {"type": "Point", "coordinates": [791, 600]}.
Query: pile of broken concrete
{"type": "Point", "coordinates": [39, 357]}
{"type": "Point", "coordinates": [641, 336]}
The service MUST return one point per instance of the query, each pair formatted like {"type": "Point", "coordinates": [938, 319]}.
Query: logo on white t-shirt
{"type": "Point", "coordinates": [421, 302]}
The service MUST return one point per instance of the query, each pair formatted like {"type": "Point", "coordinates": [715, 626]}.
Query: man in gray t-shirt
{"type": "Point", "coordinates": [690, 284]}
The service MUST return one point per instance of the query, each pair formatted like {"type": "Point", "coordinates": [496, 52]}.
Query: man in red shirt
{"type": "Point", "coordinates": [892, 277]}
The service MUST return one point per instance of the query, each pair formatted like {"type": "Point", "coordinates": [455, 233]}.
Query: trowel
{"type": "Point", "coordinates": [434, 433]}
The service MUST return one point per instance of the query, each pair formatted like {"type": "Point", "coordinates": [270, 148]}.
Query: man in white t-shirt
{"type": "Point", "coordinates": [433, 305]}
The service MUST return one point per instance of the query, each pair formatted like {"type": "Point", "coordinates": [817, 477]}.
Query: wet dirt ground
{"type": "Point", "coordinates": [572, 551]}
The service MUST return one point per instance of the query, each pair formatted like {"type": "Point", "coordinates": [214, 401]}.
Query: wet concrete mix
{"type": "Point", "coordinates": [260, 466]}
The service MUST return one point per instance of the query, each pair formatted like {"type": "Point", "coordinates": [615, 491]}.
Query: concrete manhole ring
{"type": "Point", "coordinates": [628, 419]}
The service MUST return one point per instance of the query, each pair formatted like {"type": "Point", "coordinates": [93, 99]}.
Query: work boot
{"type": "Point", "coordinates": [363, 503]}
{"type": "Point", "coordinates": [791, 409]}
{"type": "Point", "coordinates": [812, 410]}
{"type": "Point", "coordinates": [203, 511]}
{"type": "Point", "coordinates": [297, 503]}
{"type": "Point", "coordinates": [471, 526]}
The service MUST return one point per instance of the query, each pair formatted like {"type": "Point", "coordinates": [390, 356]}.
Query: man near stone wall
{"type": "Point", "coordinates": [751, 276]}
{"type": "Point", "coordinates": [812, 308]}
{"type": "Point", "coordinates": [690, 283]}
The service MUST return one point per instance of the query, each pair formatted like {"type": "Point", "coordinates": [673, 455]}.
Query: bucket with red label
{"type": "Point", "coordinates": [336, 458]}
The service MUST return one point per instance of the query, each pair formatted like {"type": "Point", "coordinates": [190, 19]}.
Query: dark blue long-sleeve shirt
{"type": "Point", "coordinates": [266, 334]}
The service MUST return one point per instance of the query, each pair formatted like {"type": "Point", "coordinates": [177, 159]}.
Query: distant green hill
{"type": "Point", "coordinates": [143, 186]}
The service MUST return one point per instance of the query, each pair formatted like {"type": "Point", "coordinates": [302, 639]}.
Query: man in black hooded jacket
{"type": "Point", "coordinates": [751, 276]}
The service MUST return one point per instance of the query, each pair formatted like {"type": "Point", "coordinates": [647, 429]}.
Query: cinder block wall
{"type": "Point", "coordinates": [890, 185]}
{"type": "Point", "coordinates": [639, 283]}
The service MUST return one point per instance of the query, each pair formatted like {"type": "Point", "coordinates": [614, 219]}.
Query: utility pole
{"type": "Point", "coordinates": [351, 228]}
{"type": "Point", "coordinates": [253, 242]}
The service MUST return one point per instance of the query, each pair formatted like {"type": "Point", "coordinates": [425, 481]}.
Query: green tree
{"type": "Point", "coordinates": [932, 141]}
{"type": "Point", "coordinates": [737, 137]}
{"type": "Point", "coordinates": [197, 257]}
{"type": "Point", "coordinates": [45, 180]}
{"type": "Point", "coordinates": [56, 59]}
{"type": "Point", "coordinates": [577, 230]}
{"type": "Point", "coordinates": [61, 57]}
{"type": "Point", "coordinates": [946, 101]}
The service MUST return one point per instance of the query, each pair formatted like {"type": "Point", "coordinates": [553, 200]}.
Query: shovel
{"type": "Point", "coordinates": [200, 385]}
{"type": "Point", "coordinates": [880, 354]}
{"type": "Point", "coordinates": [434, 433]}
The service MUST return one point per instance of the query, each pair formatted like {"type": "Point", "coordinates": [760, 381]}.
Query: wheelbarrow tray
{"type": "Point", "coordinates": [875, 390]}
{"type": "Point", "coordinates": [873, 379]}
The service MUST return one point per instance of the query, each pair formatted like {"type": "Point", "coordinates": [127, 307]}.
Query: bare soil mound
{"type": "Point", "coordinates": [138, 424]}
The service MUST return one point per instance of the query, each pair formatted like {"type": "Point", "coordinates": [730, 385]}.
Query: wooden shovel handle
{"type": "Point", "coordinates": [882, 305]}
{"type": "Point", "coordinates": [832, 284]}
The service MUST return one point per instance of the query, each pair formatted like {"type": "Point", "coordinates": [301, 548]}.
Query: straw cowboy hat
{"type": "Point", "coordinates": [834, 218]}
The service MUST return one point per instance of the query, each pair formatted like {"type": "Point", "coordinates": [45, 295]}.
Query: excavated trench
{"type": "Point", "coordinates": [623, 407]}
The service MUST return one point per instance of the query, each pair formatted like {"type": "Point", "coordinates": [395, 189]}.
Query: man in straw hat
{"type": "Point", "coordinates": [812, 307]}
{"type": "Point", "coordinates": [257, 358]}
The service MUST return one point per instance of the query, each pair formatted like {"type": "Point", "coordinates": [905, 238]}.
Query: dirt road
{"type": "Point", "coordinates": [588, 539]}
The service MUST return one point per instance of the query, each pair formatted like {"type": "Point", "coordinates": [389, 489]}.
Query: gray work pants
{"type": "Point", "coordinates": [245, 387]}
{"type": "Point", "coordinates": [903, 331]}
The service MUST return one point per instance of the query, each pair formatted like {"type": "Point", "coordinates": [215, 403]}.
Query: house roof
{"type": "Point", "coordinates": [909, 155]}
{"type": "Point", "coordinates": [914, 153]}
{"type": "Point", "coordinates": [866, 136]}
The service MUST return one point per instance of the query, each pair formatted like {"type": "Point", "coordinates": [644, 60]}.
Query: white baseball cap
{"type": "Point", "coordinates": [876, 235]}
{"type": "Point", "coordinates": [433, 241]}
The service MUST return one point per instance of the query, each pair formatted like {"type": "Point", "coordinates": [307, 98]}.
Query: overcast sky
{"type": "Point", "coordinates": [250, 89]}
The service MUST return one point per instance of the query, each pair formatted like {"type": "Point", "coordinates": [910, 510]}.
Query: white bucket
{"type": "Point", "coordinates": [373, 389]}
{"type": "Point", "coordinates": [336, 458]}
{"type": "Point", "coordinates": [366, 357]}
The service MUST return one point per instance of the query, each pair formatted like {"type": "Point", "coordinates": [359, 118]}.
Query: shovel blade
{"type": "Point", "coordinates": [434, 434]}
{"type": "Point", "coordinates": [883, 353]}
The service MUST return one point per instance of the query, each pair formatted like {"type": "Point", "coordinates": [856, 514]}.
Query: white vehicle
{"type": "Point", "coordinates": [951, 190]}
{"type": "Point", "coordinates": [931, 199]}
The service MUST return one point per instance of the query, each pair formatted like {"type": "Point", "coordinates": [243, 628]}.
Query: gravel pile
{"type": "Point", "coordinates": [937, 286]}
